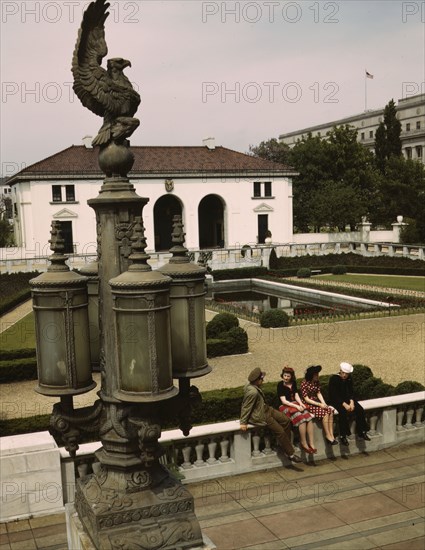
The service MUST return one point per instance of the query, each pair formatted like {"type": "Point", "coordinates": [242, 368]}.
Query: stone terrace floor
{"type": "Point", "coordinates": [365, 501]}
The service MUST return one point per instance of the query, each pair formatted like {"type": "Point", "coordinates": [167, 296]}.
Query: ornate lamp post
{"type": "Point", "coordinates": [130, 501]}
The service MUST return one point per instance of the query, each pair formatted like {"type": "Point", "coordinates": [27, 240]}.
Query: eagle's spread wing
{"type": "Point", "coordinates": [92, 83]}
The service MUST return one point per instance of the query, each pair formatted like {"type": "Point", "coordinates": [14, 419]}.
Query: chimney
{"type": "Point", "coordinates": [209, 143]}
{"type": "Point", "coordinates": [87, 142]}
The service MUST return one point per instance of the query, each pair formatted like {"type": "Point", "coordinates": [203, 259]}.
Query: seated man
{"type": "Point", "coordinates": [256, 411]}
{"type": "Point", "coordinates": [341, 396]}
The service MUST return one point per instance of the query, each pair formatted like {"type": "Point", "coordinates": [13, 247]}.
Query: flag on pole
{"type": "Point", "coordinates": [368, 75]}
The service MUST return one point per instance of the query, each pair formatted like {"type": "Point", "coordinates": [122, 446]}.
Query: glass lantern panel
{"type": "Point", "coordinates": [51, 341]}
{"type": "Point", "coordinates": [133, 352]}
{"type": "Point", "coordinates": [201, 342]}
{"type": "Point", "coordinates": [82, 346]}
{"type": "Point", "coordinates": [163, 349]}
{"type": "Point", "coordinates": [180, 334]}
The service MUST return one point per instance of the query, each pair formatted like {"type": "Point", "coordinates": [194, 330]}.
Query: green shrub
{"type": "Point", "coordinates": [274, 318]}
{"type": "Point", "coordinates": [273, 263]}
{"type": "Point", "coordinates": [304, 273]}
{"type": "Point", "coordinates": [220, 324]}
{"type": "Point", "coordinates": [16, 353]}
{"type": "Point", "coordinates": [408, 386]}
{"type": "Point", "coordinates": [356, 263]}
{"type": "Point", "coordinates": [18, 369]}
{"type": "Point", "coordinates": [14, 289]}
{"type": "Point", "coordinates": [225, 336]}
{"type": "Point", "coordinates": [240, 338]}
{"type": "Point", "coordinates": [239, 273]}
{"type": "Point", "coordinates": [339, 270]}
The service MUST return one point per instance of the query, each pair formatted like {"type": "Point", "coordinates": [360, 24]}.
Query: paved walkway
{"type": "Point", "coordinates": [358, 503]}
{"type": "Point", "coordinates": [9, 319]}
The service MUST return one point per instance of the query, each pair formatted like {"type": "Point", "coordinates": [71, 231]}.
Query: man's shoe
{"type": "Point", "coordinates": [364, 436]}
{"type": "Point", "coordinates": [344, 441]}
{"type": "Point", "coordinates": [294, 458]}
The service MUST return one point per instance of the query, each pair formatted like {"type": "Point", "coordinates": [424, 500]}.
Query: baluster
{"type": "Point", "coordinates": [199, 449]}
{"type": "Point", "coordinates": [82, 469]}
{"type": "Point", "coordinates": [224, 446]}
{"type": "Point", "coordinates": [267, 445]}
{"type": "Point", "coordinates": [418, 415]}
{"type": "Point", "coordinates": [256, 445]}
{"type": "Point", "coordinates": [212, 447]}
{"type": "Point", "coordinates": [352, 428]}
{"type": "Point", "coordinates": [373, 422]}
{"type": "Point", "coordinates": [409, 415]}
{"type": "Point", "coordinates": [400, 416]}
{"type": "Point", "coordinates": [186, 451]}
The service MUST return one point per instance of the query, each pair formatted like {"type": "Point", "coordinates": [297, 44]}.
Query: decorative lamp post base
{"type": "Point", "coordinates": [146, 508]}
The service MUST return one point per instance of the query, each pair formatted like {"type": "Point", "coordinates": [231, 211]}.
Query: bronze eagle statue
{"type": "Point", "coordinates": [107, 93]}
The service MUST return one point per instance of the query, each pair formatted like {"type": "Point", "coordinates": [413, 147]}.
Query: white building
{"type": "Point", "coordinates": [410, 112]}
{"type": "Point", "coordinates": [226, 198]}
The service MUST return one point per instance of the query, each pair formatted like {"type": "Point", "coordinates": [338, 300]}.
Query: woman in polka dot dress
{"type": "Point", "coordinates": [313, 398]}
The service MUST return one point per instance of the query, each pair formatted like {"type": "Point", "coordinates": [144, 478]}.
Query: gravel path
{"type": "Point", "coordinates": [393, 347]}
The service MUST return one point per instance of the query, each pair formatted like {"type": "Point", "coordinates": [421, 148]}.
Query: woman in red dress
{"type": "Point", "coordinates": [313, 398]}
{"type": "Point", "coordinates": [295, 410]}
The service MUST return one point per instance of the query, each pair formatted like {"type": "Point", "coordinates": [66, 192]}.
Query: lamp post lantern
{"type": "Point", "coordinates": [129, 500]}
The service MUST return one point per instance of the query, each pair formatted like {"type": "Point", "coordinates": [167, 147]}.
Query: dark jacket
{"type": "Point", "coordinates": [254, 406]}
{"type": "Point", "coordinates": [340, 391]}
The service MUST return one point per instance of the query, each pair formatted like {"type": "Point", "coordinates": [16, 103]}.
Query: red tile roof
{"type": "Point", "coordinates": [80, 162]}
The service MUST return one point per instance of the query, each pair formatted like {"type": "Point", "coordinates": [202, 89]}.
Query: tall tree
{"type": "Point", "coordinates": [273, 150]}
{"type": "Point", "coordinates": [387, 137]}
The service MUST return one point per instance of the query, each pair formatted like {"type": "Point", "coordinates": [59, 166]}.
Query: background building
{"type": "Point", "coordinates": [410, 111]}
{"type": "Point", "coordinates": [226, 198]}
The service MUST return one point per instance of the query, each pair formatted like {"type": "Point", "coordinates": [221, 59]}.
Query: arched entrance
{"type": "Point", "coordinates": [211, 222]}
{"type": "Point", "coordinates": [165, 208]}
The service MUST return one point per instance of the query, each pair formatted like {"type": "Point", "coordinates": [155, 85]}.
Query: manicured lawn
{"type": "Point", "coordinates": [20, 335]}
{"type": "Point", "coordinates": [388, 281]}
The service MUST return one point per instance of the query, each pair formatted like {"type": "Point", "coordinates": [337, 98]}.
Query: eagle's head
{"type": "Point", "coordinates": [118, 64]}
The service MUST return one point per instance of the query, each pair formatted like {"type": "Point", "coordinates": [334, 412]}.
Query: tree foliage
{"type": "Point", "coordinates": [340, 181]}
{"type": "Point", "coordinates": [272, 150]}
{"type": "Point", "coordinates": [337, 182]}
{"type": "Point", "coordinates": [387, 137]}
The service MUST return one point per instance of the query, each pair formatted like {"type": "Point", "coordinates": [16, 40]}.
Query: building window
{"type": "Point", "coordinates": [408, 127]}
{"type": "Point", "coordinates": [262, 189]}
{"type": "Point", "coordinates": [419, 151]}
{"type": "Point", "coordinates": [408, 152]}
{"type": "Point", "coordinates": [56, 193]}
{"type": "Point", "coordinates": [70, 193]}
{"type": "Point", "coordinates": [418, 125]}
{"type": "Point", "coordinates": [362, 136]}
{"type": "Point", "coordinates": [371, 134]}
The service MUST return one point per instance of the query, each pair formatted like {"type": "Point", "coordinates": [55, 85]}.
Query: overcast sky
{"type": "Point", "coordinates": [241, 72]}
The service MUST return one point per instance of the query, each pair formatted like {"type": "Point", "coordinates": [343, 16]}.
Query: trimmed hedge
{"type": "Point", "coordinates": [304, 273]}
{"type": "Point", "coordinates": [15, 370]}
{"type": "Point", "coordinates": [274, 318]}
{"type": "Point", "coordinates": [14, 289]}
{"type": "Point", "coordinates": [16, 353]}
{"type": "Point", "coordinates": [339, 270]}
{"type": "Point", "coordinates": [239, 273]}
{"type": "Point", "coordinates": [355, 263]}
{"type": "Point", "coordinates": [225, 336]}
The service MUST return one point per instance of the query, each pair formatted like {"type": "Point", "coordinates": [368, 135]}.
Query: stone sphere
{"type": "Point", "coordinates": [399, 219]}
{"type": "Point", "coordinates": [116, 160]}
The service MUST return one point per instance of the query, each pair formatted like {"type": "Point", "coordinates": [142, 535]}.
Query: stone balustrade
{"type": "Point", "coordinates": [38, 477]}
{"type": "Point", "coordinates": [226, 258]}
